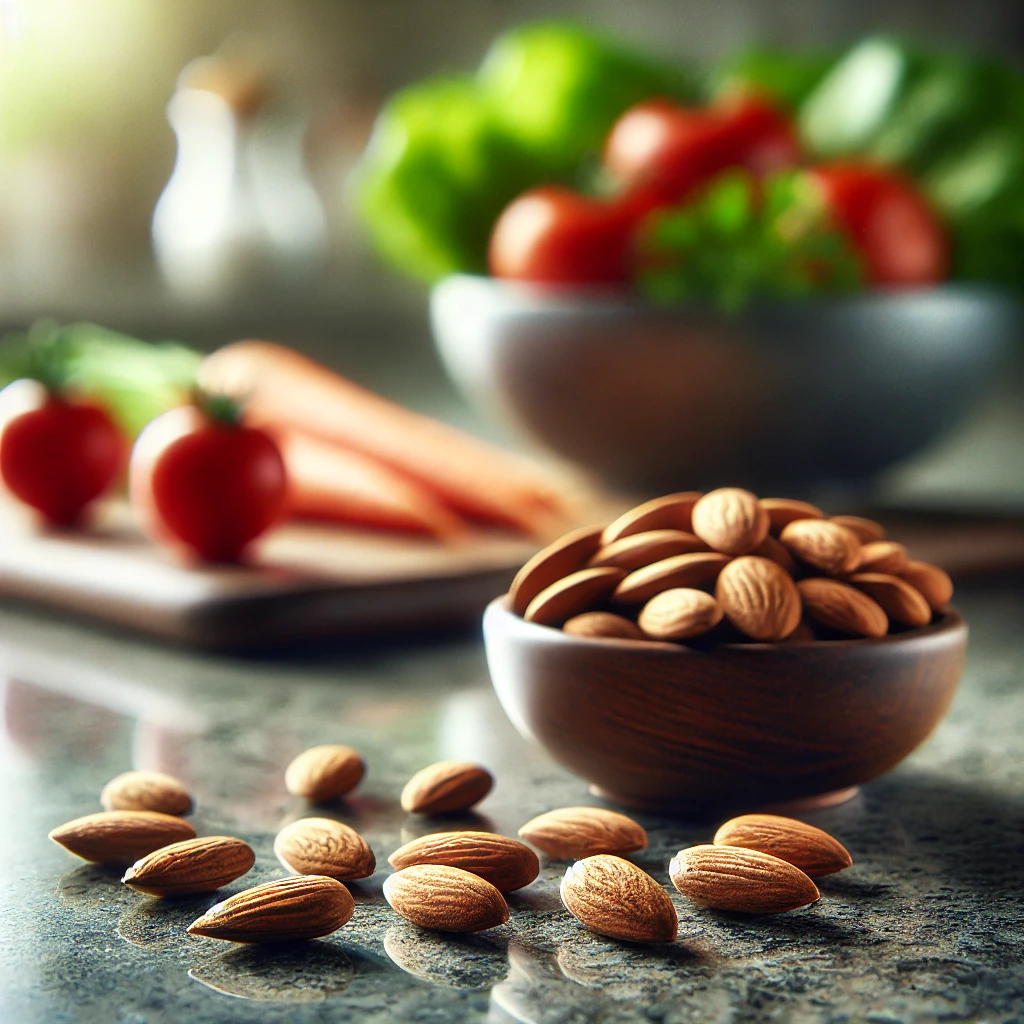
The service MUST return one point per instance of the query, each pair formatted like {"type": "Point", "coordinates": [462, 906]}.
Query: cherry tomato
{"type": "Point", "coordinates": [888, 221]}
{"type": "Point", "coordinates": [57, 454]}
{"type": "Point", "coordinates": [206, 484]}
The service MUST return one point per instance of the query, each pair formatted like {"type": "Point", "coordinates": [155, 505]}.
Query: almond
{"type": "Point", "coordinates": [747, 881]}
{"type": "Point", "coordinates": [195, 865]}
{"type": "Point", "coordinates": [898, 599]}
{"type": "Point", "coordinates": [730, 520]}
{"type": "Point", "coordinates": [121, 837]}
{"type": "Point", "coordinates": [759, 598]}
{"type": "Point", "coordinates": [640, 549]}
{"type": "Point", "coordinates": [146, 791]}
{"type": "Point", "coordinates": [840, 606]}
{"type": "Point", "coordinates": [570, 833]}
{"type": "Point", "coordinates": [930, 581]}
{"type": "Point", "coordinates": [693, 570]}
{"type": "Point", "coordinates": [823, 545]}
{"type": "Point", "coordinates": [865, 530]}
{"type": "Point", "coordinates": [772, 549]}
{"type": "Point", "coordinates": [808, 848]}
{"type": "Point", "coordinates": [679, 614]}
{"type": "Point", "coordinates": [605, 625]}
{"type": "Point", "coordinates": [614, 897]}
{"type": "Point", "coordinates": [671, 512]}
{"type": "Point", "coordinates": [882, 556]}
{"type": "Point", "coordinates": [322, 846]}
{"type": "Point", "coordinates": [325, 772]}
{"type": "Point", "coordinates": [446, 786]}
{"type": "Point", "coordinates": [782, 511]}
{"type": "Point", "coordinates": [285, 910]}
{"type": "Point", "coordinates": [506, 863]}
{"type": "Point", "coordinates": [445, 898]}
{"type": "Point", "coordinates": [558, 559]}
{"type": "Point", "coordinates": [578, 592]}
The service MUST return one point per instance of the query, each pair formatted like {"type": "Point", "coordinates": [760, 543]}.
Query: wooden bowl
{"type": "Point", "coordinates": [663, 726]}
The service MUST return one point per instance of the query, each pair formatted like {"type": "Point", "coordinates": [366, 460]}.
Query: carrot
{"type": "Point", "coordinates": [327, 481]}
{"type": "Point", "coordinates": [282, 388]}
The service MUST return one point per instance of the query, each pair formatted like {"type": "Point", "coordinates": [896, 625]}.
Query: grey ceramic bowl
{"type": "Point", "coordinates": [666, 398]}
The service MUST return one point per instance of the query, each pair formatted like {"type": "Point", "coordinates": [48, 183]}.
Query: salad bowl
{"type": "Point", "coordinates": [783, 394]}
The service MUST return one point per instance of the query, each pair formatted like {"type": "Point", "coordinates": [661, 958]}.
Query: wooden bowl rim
{"type": "Point", "coordinates": [951, 622]}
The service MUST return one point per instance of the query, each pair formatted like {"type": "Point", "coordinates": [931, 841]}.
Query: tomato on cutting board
{"type": "Point", "coordinates": [888, 221]}
{"type": "Point", "coordinates": [58, 453]}
{"type": "Point", "coordinates": [202, 480]}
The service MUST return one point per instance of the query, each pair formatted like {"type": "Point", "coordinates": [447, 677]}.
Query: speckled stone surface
{"type": "Point", "coordinates": [928, 925]}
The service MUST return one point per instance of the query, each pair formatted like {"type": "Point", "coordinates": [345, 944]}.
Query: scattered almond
{"type": "Point", "coordinates": [640, 549]}
{"type": "Point", "coordinates": [784, 510]}
{"type": "Point", "coordinates": [883, 556]}
{"type": "Point", "coordinates": [506, 863]}
{"type": "Point", "coordinates": [808, 848]}
{"type": "Point", "coordinates": [565, 555]}
{"type": "Point", "coordinates": [840, 606]}
{"type": "Point", "coordinates": [325, 772]}
{"type": "Point", "coordinates": [865, 530]}
{"type": "Point", "coordinates": [146, 791]}
{"type": "Point", "coordinates": [730, 520]}
{"type": "Point", "coordinates": [614, 897]}
{"type": "Point", "coordinates": [121, 837]}
{"type": "Point", "coordinates": [822, 544]}
{"type": "Point", "coordinates": [285, 910]}
{"type": "Point", "coordinates": [898, 599]}
{"type": "Point", "coordinates": [578, 592]}
{"type": "Point", "coordinates": [322, 846]}
{"type": "Point", "coordinates": [606, 625]}
{"type": "Point", "coordinates": [446, 786]}
{"type": "Point", "coordinates": [759, 598]}
{"type": "Point", "coordinates": [930, 581]}
{"type": "Point", "coordinates": [693, 570]}
{"type": "Point", "coordinates": [445, 898]}
{"type": "Point", "coordinates": [671, 512]}
{"type": "Point", "coordinates": [571, 833]}
{"type": "Point", "coordinates": [191, 866]}
{"type": "Point", "coordinates": [747, 881]}
{"type": "Point", "coordinates": [679, 614]}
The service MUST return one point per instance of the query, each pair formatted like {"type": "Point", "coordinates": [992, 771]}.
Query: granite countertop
{"type": "Point", "coordinates": [928, 925]}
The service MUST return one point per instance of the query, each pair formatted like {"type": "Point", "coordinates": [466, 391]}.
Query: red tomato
{"type": "Point", "coordinates": [673, 149]}
{"type": "Point", "coordinates": [209, 485]}
{"type": "Point", "coordinates": [553, 235]}
{"type": "Point", "coordinates": [888, 221]}
{"type": "Point", "coordinates": [57, 454]}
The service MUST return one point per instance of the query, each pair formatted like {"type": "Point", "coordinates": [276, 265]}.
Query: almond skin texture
{"type": "Point", "coordinates": [286, 910]}
{"type": "Point", "coordinates": [883, 556]}
{"type": "Point", "coordinates": [730, 520]}
{"type": "Point", "coordinates": [558, 559]}
{"type": "Point", "coordinates": [146, 791]}
{"type": "Point", "coordinates": [772, 549]}
{"type": "Point", "coordinates": [578, 592]}
{"type": "Point", "coordinates": [931, 582]}
{"type": "Point", "coordinates": [603, 625]}
{"type": "Point", "coordinates": [759, 598]}
{"type": "Point", "coordinates": [572, 833]}
{"type": "Point", "coordinates": [693, 570]}
{"type": "Point", "coordinates": [784, 510]}
{"type": "Point", "coordinates": [670, 512]}
{"type": "Point", "coordinates": [865, 530]}
{"type": "Point", "coordinates": [822, 544]}
{"type": "Point", "coordinates": [614, 897]}
{"type": "Point", "coordinates": [746, 881]}
{"type": "Point", "coordinates": [195, 865]}
{"type": "Point", "coordinates": [679, 614]}
{"type": "Point", "coordinates": [506, 863]}
{"type": "Point", "coordinates": [808, 848]}
{"type": "Point", "coordinates": [446, 786]}
{"type": "Point", "coordinates": [121, 837]}
{"type": "Point", "coordinates": [899, 600]}
{"type": "Point", "coordinates": [325, 772]}
{"type": "Point", "coordinates": [840, 606]}
{"type": "Point", "coordinates": [445, 899]}
{"type": "Point", "coordinates": [322, 846]}
{"type": "Point", "coordinates": [640, 549]}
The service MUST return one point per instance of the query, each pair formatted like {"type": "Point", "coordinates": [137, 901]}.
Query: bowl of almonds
{"type": "Point", "coordinates": [720, 651]}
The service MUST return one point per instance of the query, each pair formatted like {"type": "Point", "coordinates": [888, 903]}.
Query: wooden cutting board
{"type": "Point", "coordinates": [306, 582]}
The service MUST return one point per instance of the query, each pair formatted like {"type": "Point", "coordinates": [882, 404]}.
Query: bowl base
{"type": "Point", "coordinates": [801, 806]}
